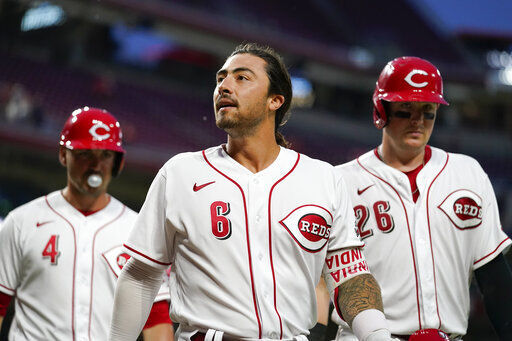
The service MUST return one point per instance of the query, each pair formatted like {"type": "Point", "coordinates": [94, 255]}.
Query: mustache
{"type": "Point", "coordinates": [225, 98]}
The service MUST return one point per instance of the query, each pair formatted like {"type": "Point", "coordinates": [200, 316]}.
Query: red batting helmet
{"type": "Point", "coordinates": [93, 128]}
{"type": "Point", "coordinates": [429, 335]}
{"type": "Point", "coordinates": [406, 79]}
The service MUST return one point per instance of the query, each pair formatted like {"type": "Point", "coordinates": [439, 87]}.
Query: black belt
{"type": "Point", "coordinates": [198, 337]}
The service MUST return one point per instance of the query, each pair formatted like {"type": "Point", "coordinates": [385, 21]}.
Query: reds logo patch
{"type": "Point", "coordinates": [310, 226]}
{"type": "Point", "coordinates": [116, 259]}
{"type": "Point", "coordinates": [464, 209]}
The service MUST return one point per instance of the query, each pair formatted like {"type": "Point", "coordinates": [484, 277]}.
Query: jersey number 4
{"type": "Point", "coordinates": [51, 251]}
{"type": "Point", "coordinates": [383, 219]}
{"type": "Point", "coordinates": [221, 225]}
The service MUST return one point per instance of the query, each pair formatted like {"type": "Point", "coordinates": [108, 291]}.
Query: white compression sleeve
{"type": "Point", "coordinates": [371, 325]}
{"type": "Point", "coordinates": [136, 290]}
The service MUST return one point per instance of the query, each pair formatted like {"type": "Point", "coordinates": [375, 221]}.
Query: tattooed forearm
{"type": "Point", "coordinates": [357, 294]}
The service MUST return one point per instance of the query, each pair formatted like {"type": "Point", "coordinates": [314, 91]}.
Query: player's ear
{"type": "Point", "coordinates": [275, 102]}
{"type": "Point", "coordinates": [62, 156]}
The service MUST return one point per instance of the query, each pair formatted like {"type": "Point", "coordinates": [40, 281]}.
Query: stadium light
{"type": "Point", "coordinates": [505, 76]}
{"type": "Point", "coordinates": [42, 15]}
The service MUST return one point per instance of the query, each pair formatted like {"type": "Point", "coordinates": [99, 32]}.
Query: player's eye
{"type": "Point", "coordinates": [429, 115]}
{"type": "Point", "coordinates": [107, 154]}
{"type": "Point", "coordinates": [241, 77]}
{"type": "Point", "coordinates": [219, 79]}
{"type": "Point", "coordinates": [402, 114]}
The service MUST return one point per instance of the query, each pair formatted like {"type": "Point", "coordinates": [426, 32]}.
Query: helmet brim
{"type": "Point", "coordinates": [70, 144]}
{"type": "Point", "coordinates": [414, 96]}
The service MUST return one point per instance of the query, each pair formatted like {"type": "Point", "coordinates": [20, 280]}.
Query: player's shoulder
{"type": "Point", "coordinates": [309, 161]}
{"type": "Point", "coordinates": [354, 165]}
{"type": "Point", "coordinates": [25, 213]}
{"type": "Point", "coordinates": [347, 166]}
{"type": "Point", "coordinates": [189, 159]}
{"type": "Point", "coordinates": [117, 205]}
{"type": "Point", "coordinates": [30, 207]}
{"type": "Point", "coordinates": [461, 160]}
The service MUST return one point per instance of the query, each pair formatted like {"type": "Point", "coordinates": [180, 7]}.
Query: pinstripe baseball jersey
{"type": "Point", "coordinates": [423, 253]}
{"type": "Point", "coordinates": [62, 267]}
{"type": "Point", "coordinates": [247, 248]}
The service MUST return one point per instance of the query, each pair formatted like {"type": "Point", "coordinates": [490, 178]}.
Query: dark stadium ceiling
{"type": "Point", "coordinates": [202, 31]}
{"type": "Point", "coordinates": [342, 65]}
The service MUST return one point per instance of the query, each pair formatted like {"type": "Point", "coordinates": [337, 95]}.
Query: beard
{"type": "Point", "coordinates": [237, 125]}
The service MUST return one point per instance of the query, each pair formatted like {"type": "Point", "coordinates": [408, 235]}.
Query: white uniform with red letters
{"type": "Point", "coordinates": [62, 267]}
{"type": "Point", "coordinates": [247, 248]}
{"type": "Point", "coordinates": [423, 254]}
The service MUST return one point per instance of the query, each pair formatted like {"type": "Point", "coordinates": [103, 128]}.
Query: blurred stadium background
{"type": "Point", "coordinates": [152, 63]}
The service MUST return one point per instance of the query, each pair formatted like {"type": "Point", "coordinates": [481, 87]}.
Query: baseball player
{"type": "Point", "coordinates": [249, 226]}
{"type": "Point", "coordinates": [61, 254]}
{"type": "Point", "coordinates": [429, 218]}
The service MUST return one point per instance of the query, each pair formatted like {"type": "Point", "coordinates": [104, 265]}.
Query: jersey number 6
{"type": "Point", "coordinates": [384, 220]}
{"type": "Point", "coordinates": [221, 226]}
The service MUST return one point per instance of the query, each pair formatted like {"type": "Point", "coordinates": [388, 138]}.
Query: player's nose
{"type": "Point", "coordinates": [416, 117]}
{"type": "Point", "coordinates": [95, 162]}
{"type": "Point", "coordinates": [225, 86]}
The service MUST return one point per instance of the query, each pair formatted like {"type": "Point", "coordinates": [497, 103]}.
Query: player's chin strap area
{"type": "Point", "coordinates": [185, 334]}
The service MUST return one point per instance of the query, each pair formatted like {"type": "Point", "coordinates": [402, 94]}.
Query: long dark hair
{"type": "Point", "coordinates": [279, 79]}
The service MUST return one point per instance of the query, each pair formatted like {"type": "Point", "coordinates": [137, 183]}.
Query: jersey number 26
{"type": "Point", "coordinates": [383, 219]}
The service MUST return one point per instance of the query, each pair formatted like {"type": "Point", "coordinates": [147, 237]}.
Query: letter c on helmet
{"type": "Point", "coordinates": [409, 80]}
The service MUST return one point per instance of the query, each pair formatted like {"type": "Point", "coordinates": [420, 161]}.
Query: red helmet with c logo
{"type": "Point", "coordinates": [93, 128]}
{"type": "Point", "coordinates": [406, 79]}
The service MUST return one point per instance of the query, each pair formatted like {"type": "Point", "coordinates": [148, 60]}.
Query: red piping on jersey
{"type": "Point", "coordinates": [336, 304]}
{"type": "Point", "coordinates": [430, 237]}
{"type": "Point", "coordinates": [270, 241]}
{"type": "Point", "coordinates": [248, 244]}
{"type": "Point", "coordinates": [106, 260]}
{"type": "Point", "coordinates": [74, 266]}
{"type": "Point", "coordinates": [484, 257]}
{"type": "Point", "coordinates": [92, 267]}
{"type": "Point", "coordinates": [13, 291]}
{"type": "Point", "coordinates": [410, 238]}
{"type": "Point", "coordinates": [143, 255]}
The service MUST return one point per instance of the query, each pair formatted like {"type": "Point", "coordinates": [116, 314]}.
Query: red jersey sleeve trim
{"type": "Point", "coordinates": [336, 305]}
{"type": "Point", "coordinates": [491, 253]}
{"type": "Point", "coordinates": [4, 303]}
{"type": "Point", "coordinates": [143, 255]}
{"type": "Point", "coordinates": [159, 314]}
{"type": "Point", "coordinates": [8, 289]}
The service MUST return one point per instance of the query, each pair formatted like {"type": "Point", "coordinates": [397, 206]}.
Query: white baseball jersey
{"type": "Point", "coordinates": [247, 248]}
{"type": "Point", "coordinates": [423, 254]}
{"type": "Point", "coordinates": [62, 267]}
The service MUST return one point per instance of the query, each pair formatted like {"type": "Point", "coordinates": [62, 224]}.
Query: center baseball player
{"type": "Point", "coordinates": [249, 226]}
{"type": "Point", "coordinates": [429, 218]}
{"type": "Point", "coordinates": [61, 254]}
